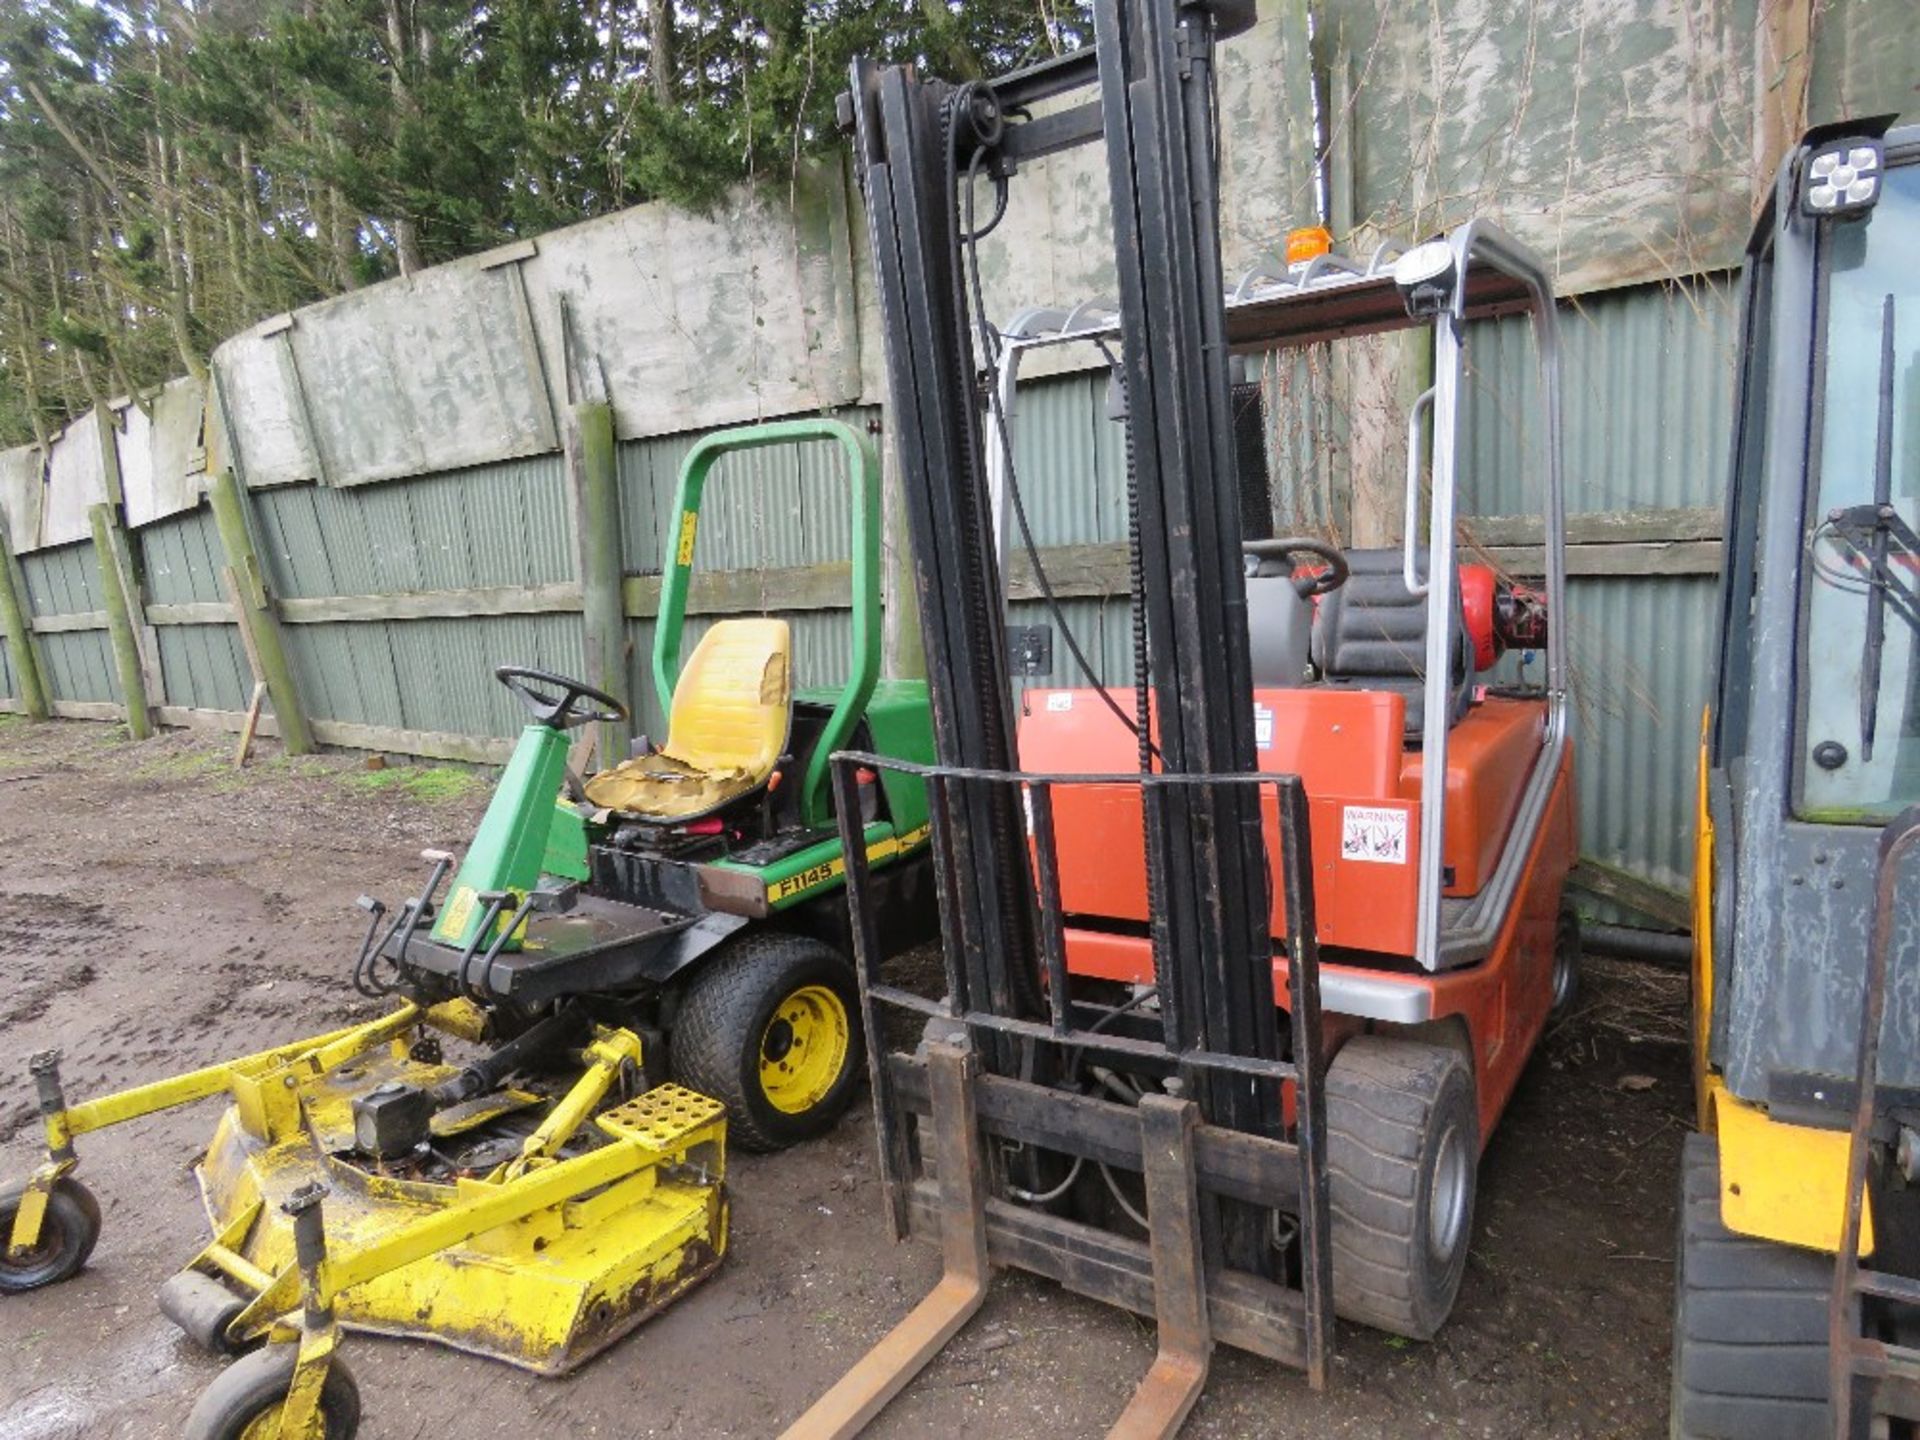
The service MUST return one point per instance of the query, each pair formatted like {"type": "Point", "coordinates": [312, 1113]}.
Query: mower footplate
{"type": "Point", "coordinates": [599, 945]}
{"type": "Point", "coordinates": [666, 1118]}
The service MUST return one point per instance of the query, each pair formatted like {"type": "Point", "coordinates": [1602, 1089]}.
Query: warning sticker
{"type": "Point", "coordinates": [1060, 700]}
{"type": "Point", "coordinates": [1373, 833]}
{"type": "Point", "coordinates": [1263, 725]}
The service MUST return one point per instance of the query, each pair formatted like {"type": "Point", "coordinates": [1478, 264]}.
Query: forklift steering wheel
{"type": "Point", "coordinates": [1322, 582]}
{"type": "Point", "coordinates": [560, 713]}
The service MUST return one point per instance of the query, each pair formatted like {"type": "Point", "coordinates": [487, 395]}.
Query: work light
{"type": "Point", "coordinates": [1426, 275]}
{"type": "Point", "coordinates": [1843, 178]}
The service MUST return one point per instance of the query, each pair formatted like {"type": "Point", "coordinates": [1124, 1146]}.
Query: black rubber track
{"type": "Point", "coordinates": [1749, 1323]}
{"type": "Point", "coordinates": [715, 1045]}
{"type": "Point", "coordinates": [1388, 1103]}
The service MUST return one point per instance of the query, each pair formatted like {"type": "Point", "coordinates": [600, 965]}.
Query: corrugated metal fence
{"type": "Point", "coordinates": [1648, 382]}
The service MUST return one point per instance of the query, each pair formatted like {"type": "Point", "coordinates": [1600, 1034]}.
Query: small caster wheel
{"type": "Point", "coordinates": [254, 1388]}
{"type": "Point", "coordinates": [67, 1236]}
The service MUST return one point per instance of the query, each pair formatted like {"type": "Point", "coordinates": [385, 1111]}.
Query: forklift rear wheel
{"type": "Point", "coordinates": [1403, 1149]}
{"type": "Point", "coordinates": [1566, 964]}
{"type": "Point", "coordinates": [245, 1402]}
{"type": "Point", "coordinates": [1749, 1323]}
{"type": "Point", "coordinates": [768, 1028]}
{"type": "Point", "coordinates": [67, 1236]}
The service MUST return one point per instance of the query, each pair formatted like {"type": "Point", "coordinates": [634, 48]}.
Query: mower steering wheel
{"type": "Point", "coordinates": [560, 713]}
{"type": "Point", "coordinates": [1324, 582]}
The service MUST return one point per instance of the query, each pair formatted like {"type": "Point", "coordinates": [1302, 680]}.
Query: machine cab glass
{"type": "Point", "coordinates": [1859, 755]}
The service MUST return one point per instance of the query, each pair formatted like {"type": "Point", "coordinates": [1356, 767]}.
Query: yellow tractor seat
{"type": "Point", "coordinates": [732, 707]}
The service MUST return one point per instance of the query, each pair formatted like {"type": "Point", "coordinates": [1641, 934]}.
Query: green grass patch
{"type": "Point", "coordinates": [432, 783]}
{"type": "Point", "coordinates": [184, 765]}
{"type": "Point", "coordinates": [306, 767]}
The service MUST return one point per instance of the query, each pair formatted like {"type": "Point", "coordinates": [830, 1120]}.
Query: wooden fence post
{"type": "Point", "coordinates": [254, 612]}
{"type": "Point", "coordinates": [122, 605]}
{"type": "Point", "coordinates": [594, 484]}
{"type": "Point", "coordinates": [16, 623]}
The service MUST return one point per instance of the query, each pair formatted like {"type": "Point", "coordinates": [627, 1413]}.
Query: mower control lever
{"type": "Point", "coordinates": [565, 712]}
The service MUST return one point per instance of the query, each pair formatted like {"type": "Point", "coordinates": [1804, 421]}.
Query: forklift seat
{"type": "Point", "coordinates": [1371, 634]}
{"type": "Point", "coordinates": [732, 707]}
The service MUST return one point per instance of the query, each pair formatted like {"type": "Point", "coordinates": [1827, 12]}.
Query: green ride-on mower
{"type": "Point", "coordinates": [502, 1163]}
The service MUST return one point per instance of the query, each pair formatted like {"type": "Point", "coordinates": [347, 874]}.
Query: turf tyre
{"type": "Point", "coordinates": [1749, 1323]}
{"type": "Point", "coordinates": [255, 1385]}
{"type": "Point", "coordinates": [67, 1237]}
{"type": "Point", "coordinates": [723, 1021]}
{"type": "Point", "coordinates": [1402, 1156]}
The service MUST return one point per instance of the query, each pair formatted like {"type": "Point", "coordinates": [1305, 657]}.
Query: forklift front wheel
{"type": "Point", "coordinates": [245, 1402]}
{"type": "Point", "coordinates": [67, 1235]}
{"type": "Point", "coordinates": [1403, 1147]}
{"type": "Point", "coordinates": [769, 1029]}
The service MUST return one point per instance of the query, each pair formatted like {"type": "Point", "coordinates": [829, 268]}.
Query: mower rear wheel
{"type": "Point", "coordinates": [1749, 1323]}
{"type": "Point", "coordinates": [245, 1402]}
{"type": "Point", "coordinates": [1403, 1152]}
{"type": "Point", "coordinates": [67, 1236]}
{"type": "Point", "coordinates": [769, 1027]}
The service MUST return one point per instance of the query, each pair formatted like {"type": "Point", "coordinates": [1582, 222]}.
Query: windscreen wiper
{"type": "Point", "coordinates": [1883, 544]}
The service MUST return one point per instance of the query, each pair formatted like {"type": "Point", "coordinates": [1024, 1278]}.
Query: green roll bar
{"type": "Point", "coordinates": [863, 469]}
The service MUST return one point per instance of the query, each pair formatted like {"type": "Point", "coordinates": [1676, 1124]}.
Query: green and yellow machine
{"type": "Point", "coordinates": [526, 1157]}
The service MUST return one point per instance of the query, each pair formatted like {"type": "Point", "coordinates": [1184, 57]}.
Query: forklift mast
{"type": "Point", "coordinates": [917, 141]}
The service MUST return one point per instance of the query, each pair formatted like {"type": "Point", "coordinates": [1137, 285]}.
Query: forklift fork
{"type": "Point", "coordinates": [1179, 1370]}
{"type": "Point", "coordinates": [1164, 1137]}
{"type": "Point", "coordinates": [890, 1366]}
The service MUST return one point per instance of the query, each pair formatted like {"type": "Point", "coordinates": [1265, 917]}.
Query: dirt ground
{"type": "Point", "coordinates": [159, 911]}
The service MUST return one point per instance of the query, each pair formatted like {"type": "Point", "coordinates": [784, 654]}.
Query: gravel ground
{"type": "Point", "coordinates": [159, 910]}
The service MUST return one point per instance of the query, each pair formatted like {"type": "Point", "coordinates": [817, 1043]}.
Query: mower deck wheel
{"type": "Point", "coordinates": [1403, 1152]}
{"type": "Point", "coordinates": [1749, 1323]}
{"type": "Point", "coordinates": [67, 1236]}
{"type": "Point", "coordinates": [769, 1027]}
{"type": "Point", "coordinates": [245, 1402]}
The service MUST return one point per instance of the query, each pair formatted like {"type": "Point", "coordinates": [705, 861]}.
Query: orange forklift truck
{"type": "Point", "coordinates": [1241, 966]}
{"type": "Point", "coordinates": [1443, 942]}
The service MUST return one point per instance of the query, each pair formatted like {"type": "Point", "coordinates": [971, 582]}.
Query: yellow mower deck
{"type": "Point", "coordinates": [546, 1292]}
{"type": "Point", "coordinates": [567, 1238]}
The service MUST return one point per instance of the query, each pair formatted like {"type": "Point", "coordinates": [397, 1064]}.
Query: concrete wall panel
{"type": "Point", "coordinates": [428, 373]}
{"type": "Point", "coordinates": [160, 474]}
{"type": "Point", "coordinates": [22, 489]}
{"type": "Point", "coordinates": [685, 321]}
{"type": "Point", "coordinates": [267, 434]}
{"type": "Point", "coordinates": [76, 481]}
{"type": "Point", "coordinates": [1611, 135]}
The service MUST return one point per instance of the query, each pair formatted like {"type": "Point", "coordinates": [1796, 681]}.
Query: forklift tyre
{"type": "Point", "coordinates": [254, 1388]}
{"type": "Point", "coordinates": [1566, 965]}
{"type": "Point", "coordinates": [67, 1237]}
{"type": "Point", "coordinates": [770, 1028]}
{"type": "Point", "coordinates": [1403, 1151]}
{"type": "Point", "coordinates": [1749, 1323]}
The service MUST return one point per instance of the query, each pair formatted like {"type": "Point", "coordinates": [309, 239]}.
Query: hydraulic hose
{"type": "Point", "coordinates": [488, 1071]}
